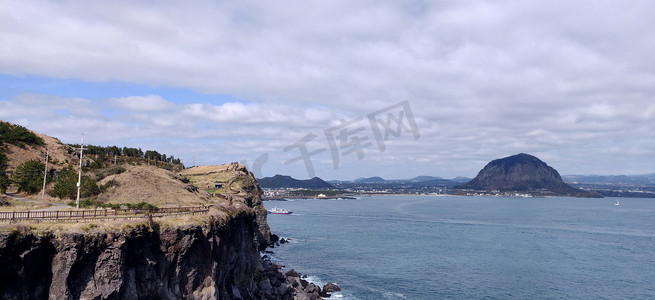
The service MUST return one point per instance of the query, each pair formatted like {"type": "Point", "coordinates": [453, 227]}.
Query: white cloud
{"type": "Point", "coordinates": [485, 79]}
{"type": "Point", "coordinates": [151, 103]}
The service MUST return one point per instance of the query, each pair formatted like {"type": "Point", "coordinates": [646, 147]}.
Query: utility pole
{"type": "Point", "coordinates": [79, 178]}
{"type": "Point", "coordinates": [45, 173]}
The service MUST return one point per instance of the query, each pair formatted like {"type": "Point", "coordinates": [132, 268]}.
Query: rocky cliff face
{"type": "Point", "coordinates": [250, 193]}
{"type": "Point", "coordinates": [521, 173]}
{"type": "Point", "coordinates": [210, 261]}
{"type": "Point", "coordinates": [217, 258]}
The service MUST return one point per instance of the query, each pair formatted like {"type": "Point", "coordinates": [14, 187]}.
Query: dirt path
{"type": "Point", "coordinates": [52, 206]}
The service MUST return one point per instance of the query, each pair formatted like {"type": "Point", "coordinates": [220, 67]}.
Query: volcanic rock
{"type": "Point", "coordinates": [522, 173]}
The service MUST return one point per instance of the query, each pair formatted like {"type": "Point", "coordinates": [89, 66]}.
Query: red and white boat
{"type": "Point", "coordinates": [279, 211]}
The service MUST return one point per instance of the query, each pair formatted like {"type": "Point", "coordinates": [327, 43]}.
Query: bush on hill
{"type": "Point", "coordinates": [18, 135]}
{"type": "Point", "coordinates": [89, 203]}
{"type": "Point", "coordinates": [66, 185]}
{"type": "Point", "coordinates": [29, 176]}
{"type": "Point", "coordinates": [4, 179]}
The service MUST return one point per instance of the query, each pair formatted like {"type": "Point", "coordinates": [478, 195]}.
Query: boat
{"type": "Point", "coordinates": [617, 202]}
{"type": "Point", "coordinates": [279, 211]}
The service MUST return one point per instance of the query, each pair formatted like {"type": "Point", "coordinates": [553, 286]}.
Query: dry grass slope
{"type": "Point", "coordinates": [58, 152]}
{"type": "Point", "coordinates": [205, 177]}
{"type": "Point", "coordinates": [151, 185]}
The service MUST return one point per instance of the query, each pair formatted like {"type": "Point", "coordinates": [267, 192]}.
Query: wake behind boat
{"type": "Point", "coordinates": [279, 211]}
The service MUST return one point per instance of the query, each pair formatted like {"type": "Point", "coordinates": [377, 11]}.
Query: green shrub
{"type": "Point", "coordinates": [111, 205]}
{"type": "Point", "coordinates": [141, 205]}
{"type": "Point", "coordinates": [29, 176]}
{"type": "Point", "coordinates": [95, 165]}
{"type": "Point", "coordinates": [109, 184]}
{"type": "Point", "coordinates": [4, 179]}
{"type": "Point", "coordinates": [86, 203]}
{"type": "Point", "coordinates": [4, 183]}
{"type": "Point", "coordinates": [100, 174]}
{"type": "Point", "coordinates": [66, 185]}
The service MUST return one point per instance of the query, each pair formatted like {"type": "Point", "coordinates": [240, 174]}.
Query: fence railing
{"type": "Point", "coordinates": [99, 213]}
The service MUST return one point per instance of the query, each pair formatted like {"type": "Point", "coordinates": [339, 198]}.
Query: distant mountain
{"type": "Point", "coordinates": [416, 182]}
{"type": "Point", "coordinates": [522, 173]}
{"type": "Point", "coordinates": [370, 180]}
{"type": "Point", "coordinates": [423, 178]}
{"type": "Point", "coordinates": [623, 180]}
{"type": "Point", "coordinates": [435, 182]}
{"type": "Point", "coordinates": [281, 181]}
{"type": "Point", "coordinates": [461, 179]}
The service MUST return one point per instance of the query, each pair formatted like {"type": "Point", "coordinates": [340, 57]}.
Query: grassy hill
{"type": "Point", "coordinates": [111, 174]}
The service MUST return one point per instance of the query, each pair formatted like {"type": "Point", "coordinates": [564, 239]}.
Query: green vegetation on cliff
{"type": "Point", "coordinates": [104, 156]}
{"type": "Point", "coordinates": [18, 135]}
{"type": "Point", "coordinates": [15, 135]}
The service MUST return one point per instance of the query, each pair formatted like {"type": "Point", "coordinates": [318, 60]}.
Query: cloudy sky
{"type": "Point", "coordinates": [364, 88]}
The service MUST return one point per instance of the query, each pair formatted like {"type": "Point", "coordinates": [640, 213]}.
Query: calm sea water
{"type": "Point", "coordinates": [429, 247]}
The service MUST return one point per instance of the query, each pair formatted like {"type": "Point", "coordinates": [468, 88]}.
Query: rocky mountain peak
{"type": "Point", "coordinates": [521, 173]}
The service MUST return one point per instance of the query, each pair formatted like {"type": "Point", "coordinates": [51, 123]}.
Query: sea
{"type": "Point", "coordinates": [458, 247]}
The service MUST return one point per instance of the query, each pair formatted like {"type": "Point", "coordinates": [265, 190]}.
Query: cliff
{"type": "Point", "coordinates": [211, 261]}
{"type": "Point", "coordinates": [242, 187]}
{"type": "Point", "coordinates": [522, 173]}
{"type": "Point", "coordinates": [214, 256]}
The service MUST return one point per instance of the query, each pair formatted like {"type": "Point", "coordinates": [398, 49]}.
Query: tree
{"type": "Point", "coordinates": [152, 155]}
{"type": "Point", "coordinates": [66, 185]}
{"type": "Point", "coordinates": [113, 150]}
{"type": "Point", "coordinates": [5, 182]}
{"type": "Point", "coordinates": [4, 179]}
{"type": "Point", "coordinates": [29, 176]}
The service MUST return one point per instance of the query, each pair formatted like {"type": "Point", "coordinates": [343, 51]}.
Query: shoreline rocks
{"type": "Point", "coordinates": [302, 289]}
{"type": "Point", "coordinates": [291, 285]}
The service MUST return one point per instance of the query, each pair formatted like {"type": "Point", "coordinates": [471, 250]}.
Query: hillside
{"type": "Point", "coordinates": [152, 185]}
{"type": "Point", "coordinates": [522, 173]}
{"type": "Point", "coordinates": [119, 175]}
{"type": "Point", "coordinates": [60, 155]}
{"type": "Point", "coordinates": [19, 144]}
{"type": "Point", "coordinates": [211, 253]}
{"type": "Point", "coordinates": [281, 181]}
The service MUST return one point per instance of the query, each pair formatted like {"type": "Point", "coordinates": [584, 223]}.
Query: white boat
{"type": "Point", "coordinates": [279, 211]}
{"type": "Point", "coordinates": [617, 202]}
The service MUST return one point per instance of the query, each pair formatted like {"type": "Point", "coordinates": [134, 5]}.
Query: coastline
{"type": "Point", "coordinates": [209, 256]}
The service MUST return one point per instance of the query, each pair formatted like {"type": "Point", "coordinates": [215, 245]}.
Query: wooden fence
{"type": "Point", "coordinates": [91, 214]}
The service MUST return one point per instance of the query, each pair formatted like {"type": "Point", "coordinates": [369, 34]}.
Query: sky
{"type": "Point", "coordinates": [340, 89]}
